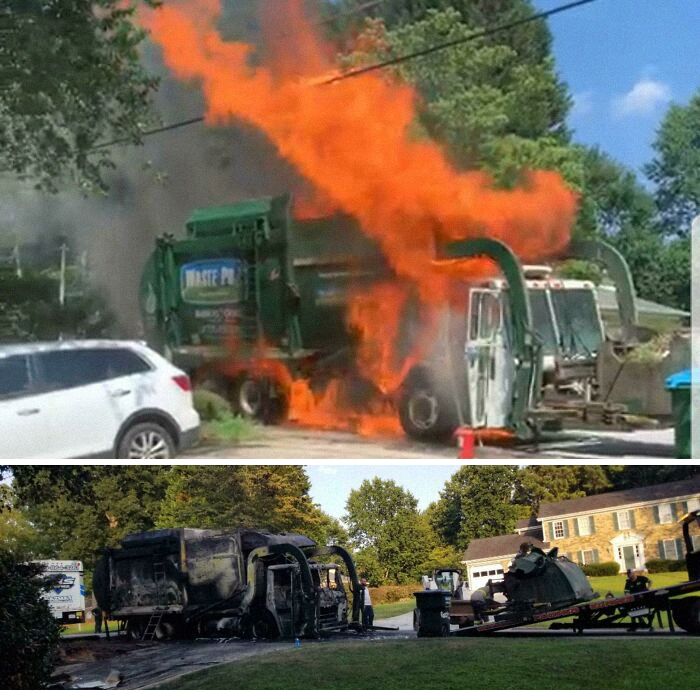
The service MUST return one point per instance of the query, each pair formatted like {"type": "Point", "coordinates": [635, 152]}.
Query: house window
{"type": "Point", "coordinates": [623, 519]}
{"type": "Point", "coordinates": [670, 550]}
{"type": "Point", "coordinates": [558, 527]}
{"type": "Point", "coordinates": [693, 504]}
{"type": "Point", "coordinates": [665, 513]}
{"type": "Point", "coordinates": [584, 526]}
{"type": "Point", "coordinates": [589, 556]}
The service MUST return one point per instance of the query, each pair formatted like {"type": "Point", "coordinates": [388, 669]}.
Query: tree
{"type": "Point", "coordinates": [634, 476]}
{"type": "Point", "coordinates": [676, 169]}
{"type": "Point", "coordinates": [29, 633]}
{"type": "Point", "coordinates": [547, 483]}
{"type": "Point", "coordinates": [71, 77]}
{"type": "Point", "coordinates": [80, 509]}
{"type": "Point", "coordinates": [271, 497]}
{"type": "Point", "coordinates": [476, 503]}
{"type": "Point", "coordinates": [392, 537]}
{"type": "Point", "coordinates": [492, 108]}
{"type": "Point", "coordinates": [17, 534]}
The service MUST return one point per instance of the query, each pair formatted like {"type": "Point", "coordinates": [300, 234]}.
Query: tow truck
{"type": "Point", "coordinates": [438, 614]}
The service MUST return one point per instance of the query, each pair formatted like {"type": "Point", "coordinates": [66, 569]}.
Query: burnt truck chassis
{"type": "Point", "coordinates": [643, 609]}
{"type": "Point", "coordinates": [287, 594]}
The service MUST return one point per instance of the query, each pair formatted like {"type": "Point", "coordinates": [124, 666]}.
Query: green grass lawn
{"type": "Point", "coordinates": [78, 628]}
{"type": "Point", "coordinates": [566, 663]}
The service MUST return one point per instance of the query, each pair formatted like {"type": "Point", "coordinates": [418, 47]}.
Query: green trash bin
{"type": "Point", "coordinates": [432, 614]}
{"type": "Point", "coordinates": [679, 387]}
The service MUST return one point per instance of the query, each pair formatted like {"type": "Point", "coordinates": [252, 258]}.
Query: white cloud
{"type": "Point", "coordinates": [642, 99]}
{"type": "Point", "coordinates": [327, 469]}
{"type": "Point", "coordinates": [583, 103]}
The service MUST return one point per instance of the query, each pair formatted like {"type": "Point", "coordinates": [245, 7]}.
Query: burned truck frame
{"type": "Point", "coordinates": [237, 583]}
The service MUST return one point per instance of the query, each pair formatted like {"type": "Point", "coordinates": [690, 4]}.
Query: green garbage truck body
{"type": "Point", "coordinates": [248, 283]}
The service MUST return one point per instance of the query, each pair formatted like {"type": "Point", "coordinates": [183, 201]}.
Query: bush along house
{"type": "Point", "coordinates": [632, 528]}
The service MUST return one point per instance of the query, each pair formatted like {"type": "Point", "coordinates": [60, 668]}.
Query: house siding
{"type": "Point", "coordinates": [643, 522]}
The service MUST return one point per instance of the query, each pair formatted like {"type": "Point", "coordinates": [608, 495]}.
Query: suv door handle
{"type": "Point", "coordinates": [120, 393]}
{"type": "Point", "coordinates": [26, 413]}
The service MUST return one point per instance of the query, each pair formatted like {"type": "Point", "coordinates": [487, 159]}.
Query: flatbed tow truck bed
{"type": "Point", "coordinates": [643, 608]}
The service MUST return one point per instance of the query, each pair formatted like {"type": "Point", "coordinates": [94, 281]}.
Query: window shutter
{"type": "Point", "coordinates": [576, 529]}
{"type": "Point", "coordinates": [684, 505]}
{"type": "Point", "coordinates": [551, 531]}
{"type": "Point", "coordinates": [616, 522]}
{"type": "Point", "coordinates": [680, 549]}
{"type": "Point", "coordinates": [595, 556]}
{"type": "Point", "coordinates": [579, 557]}
{"type": "Point", "coordinates": [631, 513]}
{"type": "Point", "coordinates": [566, 528]}
{"type": "Point", "coordinates": [673, 512]}
{"type": "Point", "coordinates": [591, 521]}
{"type": "Point", "coordinates": [662, 551]}
{"type": "Point", "coordinates": [657, 519]}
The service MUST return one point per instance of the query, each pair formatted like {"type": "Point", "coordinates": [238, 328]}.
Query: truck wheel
{"type": "Point", "coordinates": [686, 614]}
{"type": "Point", "coordinates": [146, 441]}
{"type": "Point", "coordinates": [424, 412]}
{"type": "Point", "coordinates": [259, 399]}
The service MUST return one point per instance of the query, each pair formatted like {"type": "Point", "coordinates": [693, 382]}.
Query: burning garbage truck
{"type": "Point", "coordinates": [239, 583]}
{"type": "Point", "coordinates": [307, 318]}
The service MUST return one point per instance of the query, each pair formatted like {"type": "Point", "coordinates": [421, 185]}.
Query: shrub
{"type": "Point", "coordinates": [29, 633]}
{"type": "Point", "coordinates": [388, 594]}
{"type": "Point", "coordinates": [601, 569]}
{"type": "Point", "coordinates": [211, 406]}
{"type": "Point", "coordinates": [658, 565]}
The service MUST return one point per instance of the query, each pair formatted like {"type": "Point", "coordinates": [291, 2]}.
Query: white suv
{"type": "Point", "coordinates": [93, 398]}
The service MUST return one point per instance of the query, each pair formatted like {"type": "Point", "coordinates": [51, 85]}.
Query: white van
{"type": "Point", "coordinates": [92, 399]}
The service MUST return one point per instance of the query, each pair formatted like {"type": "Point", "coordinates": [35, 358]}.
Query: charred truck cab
{"type": "Point", "coordinates": [240, 583]}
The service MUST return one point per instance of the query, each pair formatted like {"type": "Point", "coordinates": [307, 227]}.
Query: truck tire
{"type": "Point", "coordinates": [686, 614]}
{"type": "Point", "coordinates": [146, 441]}
{"type": "Point", "coordinates": [426, 414]}
{"type": "Point", "coordinates": [259, 399]}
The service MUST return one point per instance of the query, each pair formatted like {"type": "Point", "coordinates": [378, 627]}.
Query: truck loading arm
{"type": "Point", "coordinates": [352, 573]}
{"type": "Point", "coordinates": [526, 346]}
{"type": "Point", "coordinates": [618, 270]}
{"type": "Point", "coordinates": [307, 584]}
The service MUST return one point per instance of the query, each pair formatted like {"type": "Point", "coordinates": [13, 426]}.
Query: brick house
{"type": "Point", "coordinates": [629, 527]}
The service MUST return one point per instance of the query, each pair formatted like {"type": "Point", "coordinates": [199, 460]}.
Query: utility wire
{"type": "Point", "coordinates": [457, 41]}
{"type": "Point", "coordinates": [380, 65]}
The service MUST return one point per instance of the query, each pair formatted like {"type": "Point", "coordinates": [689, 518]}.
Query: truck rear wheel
{"type": "Point", "coordinates": [259, 399]}
{"type": "Point", "coordinates": [424, 411]}
{"type": "Point", "coordinates": [686, 614]}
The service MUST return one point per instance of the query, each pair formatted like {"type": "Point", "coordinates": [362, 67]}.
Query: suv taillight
{"type": "Point", "coordinates": [183, 381]}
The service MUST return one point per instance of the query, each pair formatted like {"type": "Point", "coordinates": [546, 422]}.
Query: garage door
{"type": "Point", "coordinates": [479, 575]}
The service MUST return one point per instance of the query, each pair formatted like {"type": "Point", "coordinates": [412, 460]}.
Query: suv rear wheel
{"type": "Point", "coordinates": [146, 441]}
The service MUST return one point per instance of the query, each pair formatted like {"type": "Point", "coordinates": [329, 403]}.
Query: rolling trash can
{"type": "Point", "coordinates": [679, 386]}
{"type": "Point", "coordinates": [432, 615]}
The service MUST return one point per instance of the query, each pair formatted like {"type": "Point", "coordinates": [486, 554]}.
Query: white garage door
{"type": "Point", "coordinates": [479, 575]}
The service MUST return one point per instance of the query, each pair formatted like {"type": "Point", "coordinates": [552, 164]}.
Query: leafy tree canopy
{"type": "Point", "coordinates": [676, 169]}
{"type": "Point", "coordinates": [71, 77]}
{"type": "Point", "coordinates": [271, 497]}
{"type": "Point", "coordinates": [546, 483]}
{"type": "Point", "coordinates": [476, 503]}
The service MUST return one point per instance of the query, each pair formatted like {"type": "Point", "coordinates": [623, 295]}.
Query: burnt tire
{"type": "Point", "coordinates": [426, 413]}
{"type": "Point", "coordinates": [146, 441]}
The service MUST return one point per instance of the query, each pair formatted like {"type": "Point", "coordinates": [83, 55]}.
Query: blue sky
{"type": "Point", "coordinates": [331, 484]}
{"type": "Point", "coordinates": [624, 62]}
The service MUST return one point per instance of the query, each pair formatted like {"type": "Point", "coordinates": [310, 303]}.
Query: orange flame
{"type": "Point", "coordinates": [351, 140]}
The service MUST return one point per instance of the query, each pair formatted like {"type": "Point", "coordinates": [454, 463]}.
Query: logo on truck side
{"type": "Point", "coordinates": [214, 281]}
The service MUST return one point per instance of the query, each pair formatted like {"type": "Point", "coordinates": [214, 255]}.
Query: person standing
{"type": "Point", "coordinates": [367, 610]}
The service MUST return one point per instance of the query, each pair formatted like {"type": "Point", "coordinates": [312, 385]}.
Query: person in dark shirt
{"type": "Point", "coordinates": [636, 583]}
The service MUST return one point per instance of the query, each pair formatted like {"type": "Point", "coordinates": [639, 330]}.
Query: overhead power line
{"type": "Point", "coordinates": [380, 65]}
{"type": "Point", "coordinates": [457, 41]}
